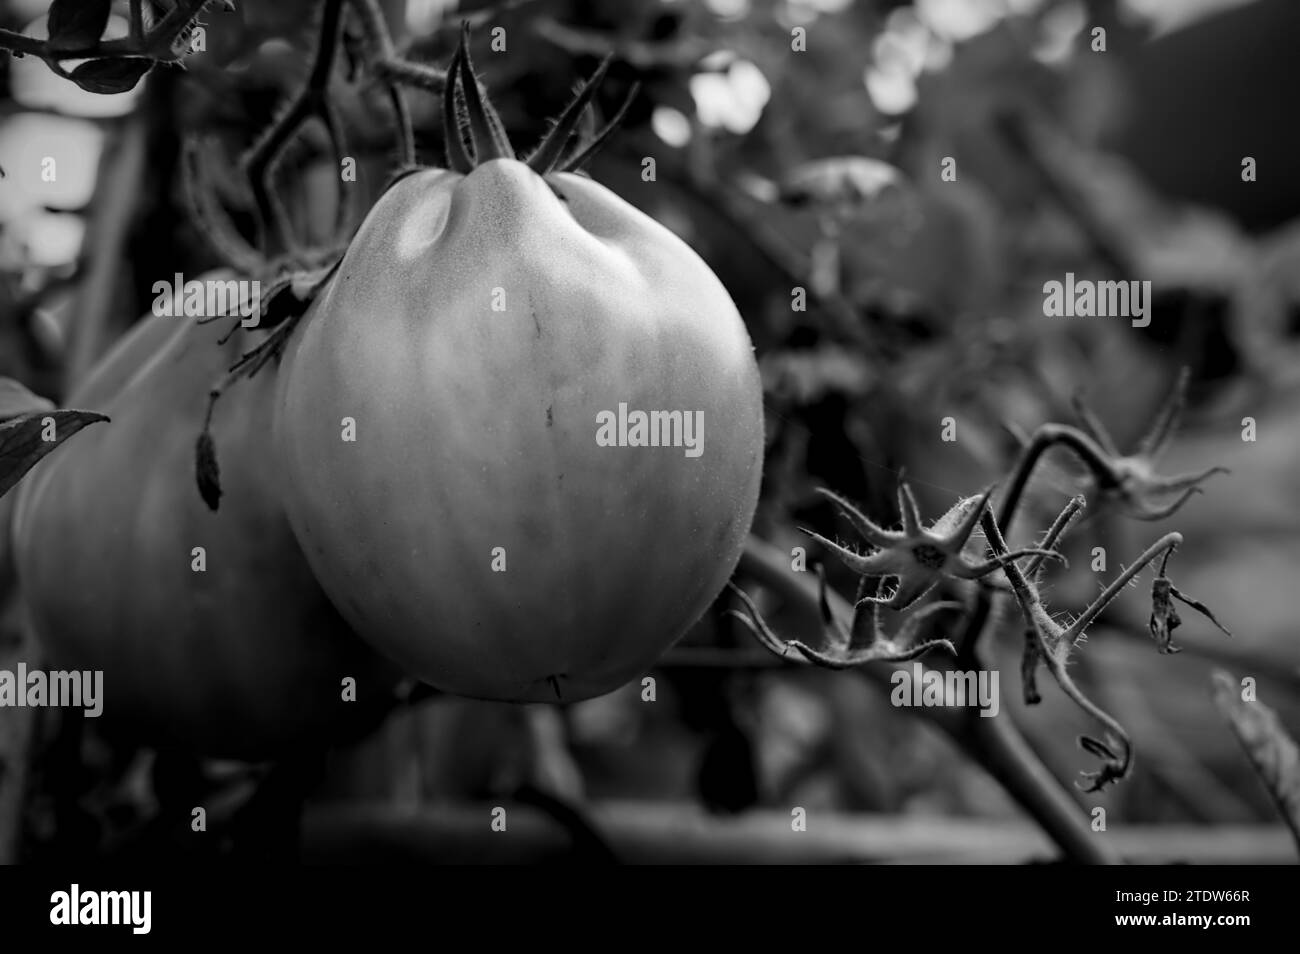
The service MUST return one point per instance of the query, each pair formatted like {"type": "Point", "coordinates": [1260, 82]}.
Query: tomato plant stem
{"type": "Point", "coordinates": [310, 101]}
{"type": "Point", "coordinates": [1166, 544]}
{"type": "Point", "coordinates": [394, 71]}
{"type": "Point", "coordinates": [1043, 439]}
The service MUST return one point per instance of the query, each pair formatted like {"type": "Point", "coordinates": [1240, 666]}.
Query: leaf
{"type": "Point", "coordinates": [110, 75]}
{"type": "Point", "coordinates": [1271, 751]}
{"type": "Point", "coordinates": [22, 443]}
{"type": "Point", "coordinates": [76, 24]}
{"type": "Point", "coordinates": [16, 399]}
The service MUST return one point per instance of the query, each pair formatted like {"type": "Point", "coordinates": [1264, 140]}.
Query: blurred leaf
{"type": "Point", "coordinates": [77, 23]}
{"type": "Point", "coordinates": [1266, 307]}
{"type": "Point", "coordinates": [846, 180]}
{"type": "Point", "coordinates": [1271, 751]}
{"type": "Point", "coordinates": [110, 75]}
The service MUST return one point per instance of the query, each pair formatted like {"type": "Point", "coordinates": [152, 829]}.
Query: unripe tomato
{"type": "Point", "coordinates": [479, 331]}
{"type": "Point", "coordinates": [242, 659]}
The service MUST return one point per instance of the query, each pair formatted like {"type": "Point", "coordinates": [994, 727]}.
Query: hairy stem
{"type": "Point", "coordinates": [382, 55]}
{"type": "Point", "coordinates": [1046, 437]}
{"type": "Point", "coordinates": [1166, 544]}
{"type": "Point", "coordinates": [428, 78]}
{"type": "Point", "coordinates": [1056, 531]}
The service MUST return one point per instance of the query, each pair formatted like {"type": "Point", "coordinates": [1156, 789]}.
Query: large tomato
{"type": "Point", "coordinates": [482, 333]}
{"type": "Point", "coordinates": [244, 659]}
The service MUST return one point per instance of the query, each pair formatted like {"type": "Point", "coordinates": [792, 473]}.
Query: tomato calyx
{"type": "Point", "coordinates": [475, 134]}
{"type": "Point", "coordinates": [472, 112]}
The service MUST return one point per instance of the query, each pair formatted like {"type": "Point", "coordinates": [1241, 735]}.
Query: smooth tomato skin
{"type": "Point", "coordinates": [476, 430]}
{"type": "Point", "coordinates": [242, 661]}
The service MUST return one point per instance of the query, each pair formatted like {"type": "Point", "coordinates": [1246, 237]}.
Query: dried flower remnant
{"type": "Point", "coordinates": [1164, 615]}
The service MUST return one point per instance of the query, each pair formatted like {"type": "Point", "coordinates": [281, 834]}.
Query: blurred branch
{"type": "Point", "coordinates": [669, 833]}
{"type": "Point", "coordinates": [135, 20]}
{"type": "Point", "coordinates": [1030, 143]}
{"type": "Point", "coordinates": [158, 43]}
{"type": "Point", "coordinates": [994, 742]}
{"type": "Point", "coordinates": [676, 54]}
{"type": "Point", "coordinates": [117, 192]}
{"type": "Point", "coordinates": [394, 72]}
{"type": "Point", "coordinates": [310, 102]}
